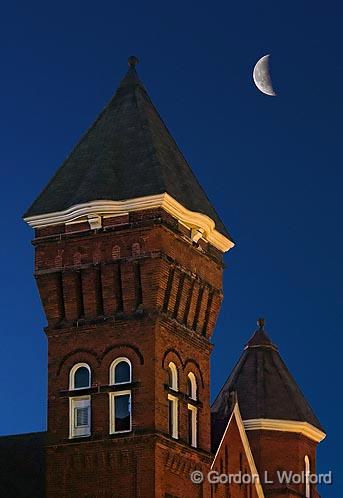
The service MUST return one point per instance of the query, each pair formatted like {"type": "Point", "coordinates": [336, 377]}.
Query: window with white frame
{"type": "Point", "coordinates": [120, 401]}
{"type": "Point", "coordinates": [192, 410]}
{"type": "Point", "coordinates": [80, 376]}
{"type": "Point", "coordinates": [307, 477]}
{"type": "Point", "coordinates": [79, 416]}
{"type": "Point", "coordinates": [173, 402]}
{"type": "Point", "coordinates": [120, 371]}
{"type": "Point", "coordinates": [120, 412]}
{"type": "Point", "coordinates": [172, 376]}
{"type": "Point", "coordinates": [80, 406]}
{"type": "Point", "coordinates": [173, 416]}
{"type": "Point", "coordinates": [192, 425]}
{"type": "Point", "coordinates": [192, 386]}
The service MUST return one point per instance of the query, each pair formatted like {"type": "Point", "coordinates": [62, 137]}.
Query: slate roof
{"type": "Point", "coordinates": [128, 152]}
{"type": "Point", "coordinates": [264, 387]}
{"type": "Point", "coordinates": [22, 466]}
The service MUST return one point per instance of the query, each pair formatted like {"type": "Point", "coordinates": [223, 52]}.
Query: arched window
{"type": "Point", "coordinates": [192, 391]}
{"type": "Point", "coordinates": [192, 386]}
{"type": "Point", "coordinates": [120, 401]}
{"type": "Point", "coordinates": [172, 376]}
{"type": "Point", "coordinates": [173, 412]}
{"type": "Point", "coordinates": [80, 376]}
{"type": "Point", "coordinates": [80, 406]}
{"type": "Point", "coordinates": [307, 477]}
{"type": "Point", "coordinates": [120, 371]}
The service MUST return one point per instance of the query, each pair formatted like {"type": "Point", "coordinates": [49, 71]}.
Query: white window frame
{"type": "Point", "coordinates": [113, 370]}
{"type": "Point", "coordinates": [174, 376]}
{"type": "Point", "coordinates": [83, 402]}
{"type": "Point", "coordinates": [175, 416]}
{"type": "Point", "coordinates": [112, 397]}
{"type": "Point", "coordinates": [307, 477]}
{"type": "Point", "coordinates": [72, 376]}
{"type": "Point", "coordinates": [194, 425]}
{"type": "Point", "coordinates": [194, 386]}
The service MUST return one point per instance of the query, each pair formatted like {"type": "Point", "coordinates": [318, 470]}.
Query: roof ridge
{"type": "Point", "coordinates": [229, 380]}
{"type": "Point", "coordinates": [171, 136]}
{"type": "Point", "coordinates": [296, 386]}
{"type": "Point", "coordinates": [70, 153]}
{"type": "Point", "coordinates": [286, 387]}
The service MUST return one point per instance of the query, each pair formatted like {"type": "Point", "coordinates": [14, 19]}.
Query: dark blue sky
{"type": "Point", "coordinates": [271, 166]}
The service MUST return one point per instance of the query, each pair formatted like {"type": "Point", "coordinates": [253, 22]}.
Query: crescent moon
{"type": "Point", "coordinates": [261, 76]}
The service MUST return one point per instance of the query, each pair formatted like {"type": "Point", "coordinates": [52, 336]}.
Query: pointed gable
{"type": "Point", "coordinates": [233, 457]}
{"type": "Point", "coordinates": [127, 153]}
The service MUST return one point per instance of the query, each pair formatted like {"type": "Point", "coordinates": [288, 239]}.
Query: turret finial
{"type": "Point", "coordinates": [133, 61]}
{"type": "Point", "coordinates": [260, 323]}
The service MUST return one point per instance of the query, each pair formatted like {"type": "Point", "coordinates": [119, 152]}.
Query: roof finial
{"type": "Point", "coordinates": [133, 60]}
{"type": "Point", "coordinates": [260, 323]}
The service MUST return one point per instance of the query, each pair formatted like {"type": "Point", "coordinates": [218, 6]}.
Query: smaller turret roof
{"type": "Point", "coordinates": [264, 386]}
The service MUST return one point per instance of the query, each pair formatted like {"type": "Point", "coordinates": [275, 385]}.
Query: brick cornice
{"type": "Point", "coordinates": [147, 255]}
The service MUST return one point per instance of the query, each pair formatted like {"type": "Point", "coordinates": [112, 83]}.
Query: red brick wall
{"type": "Point", "coordinates": [275, 451]}
{"type": "Point", "coordinates": [231, 459]}
{"type": "Point", "coordinates": [140, 289]}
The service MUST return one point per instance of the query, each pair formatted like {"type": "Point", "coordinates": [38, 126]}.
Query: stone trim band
{"type": "Point", "coordinates": [201, 225]}
{"type": "Point", "coordinates": [267, 424]}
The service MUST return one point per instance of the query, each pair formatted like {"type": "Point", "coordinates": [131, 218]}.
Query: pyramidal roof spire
{"type": "Point", "coordinates": [128, 154]}
{"type": "Point", "coordinates": [131, 77]}
{"type": "Point", "coordinates": [133, 61]}
{"type": "Point", "coordinates": [265, 388]}
{"type": "Point", "coordinates": [260, 337]}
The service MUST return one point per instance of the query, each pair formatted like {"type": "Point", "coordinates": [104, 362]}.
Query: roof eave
{"type": "Point", "coordinates": [295, 426]}
{"type": "Point", "coordinates": [201, 225]}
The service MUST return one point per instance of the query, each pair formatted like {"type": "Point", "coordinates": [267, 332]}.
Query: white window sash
{"type": "Point", "coordinates": [112, 397]}
{"type": "Point", "coordinates": [80, 402]}
{"type": "Point", "coordinates": [113, 368]}
{"type": "Point", "coordinates": [194, 425]}
{"type": "Point", "coordinates": [307, 477]}
{"type": "Point", "coordinates": [175, 416]}
{"type": "Point", "coordinates": [174, 376]}
{"type": "Point", "coordinates": [72, 376]}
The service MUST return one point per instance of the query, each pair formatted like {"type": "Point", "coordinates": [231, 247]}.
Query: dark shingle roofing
{"type": "Point", "coordinates": [128, 152]}
{"type": "Point", "coordinates": [264, 387]}
{"type": "Point", "coordinates": [22, 466]}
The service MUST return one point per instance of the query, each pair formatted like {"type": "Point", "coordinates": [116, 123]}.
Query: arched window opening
{"type": "Point", "coordinates": [120, 371]}
{"type": "Point", "coordinates": [120, 401]}
{"type": "Point", "coordinates": [192, 391]}
{"type": "Point", "coordinates": [173, 402]}
{"type": "Point", "coordinates": [307, 477]}
{"type": "Point", "coordinates": [192, 386]}
{"type": "Point", "coordinates": [80, 406]}
{"type": "Point", "coordinates": [172, 376]}
{"type": "Point", "coordinates": [80, 376]}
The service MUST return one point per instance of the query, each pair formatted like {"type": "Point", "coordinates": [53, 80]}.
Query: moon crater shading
{"type": "Point", "coordinates": [261, 76]}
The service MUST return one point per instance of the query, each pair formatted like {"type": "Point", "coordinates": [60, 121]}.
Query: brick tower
{"type": "Point", "coordinates": [128, 263]}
